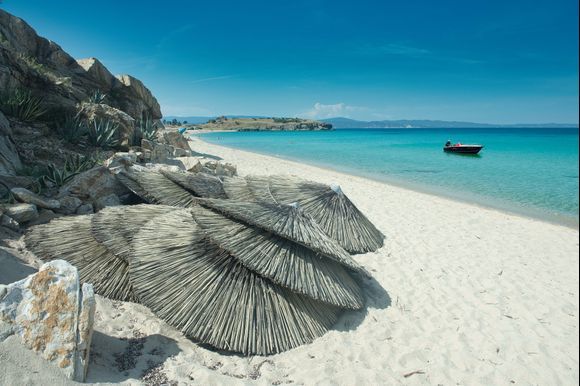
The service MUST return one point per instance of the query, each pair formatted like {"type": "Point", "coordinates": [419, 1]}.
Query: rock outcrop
{"type": "Point", "coordinates": [53, 315]}
{"type": "Point", "coordinates": [34, 63]}
{"type": "Point", "coordinates": [93, 186]}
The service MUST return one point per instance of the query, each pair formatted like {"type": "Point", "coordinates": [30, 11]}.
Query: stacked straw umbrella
{"type": "Point", "coordinates": [255, 277]}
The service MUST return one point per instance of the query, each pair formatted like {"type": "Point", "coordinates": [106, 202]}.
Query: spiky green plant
{"type": "Point", "coordinates": [56, 176]}
{"type": "Point", "coordinates": [21, 104]}
{"type": "Point", "coordinates": [79, 163]}
{"type": "Point", "coordinates": [72, 128]}
{"type": "Point", "coordinates": [148, 128]}
{"type": "Point", "coordinates": [103, 133]}
{"type": "Point", "coordinates": [97, 97]}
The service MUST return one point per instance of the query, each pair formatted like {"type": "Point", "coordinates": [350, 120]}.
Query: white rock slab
{"type": "Point", "coordinates": [53, 316]}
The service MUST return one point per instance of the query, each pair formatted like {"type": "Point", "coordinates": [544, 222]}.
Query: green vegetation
{"type": "Point", "coordinates": [73, 165]}
{"type": "Point", "coordinates": [263, 124]}
{"type": "Point", "coordinates": [21, 104]}
{"type": "Point", "coordinates": [72, 128]}
{"type": "Point", "coordinates": [103, 133]}
{"type": "Point", "coordinates": [148, 129]}
{"type": "Point", "coordinates": [98, 97]}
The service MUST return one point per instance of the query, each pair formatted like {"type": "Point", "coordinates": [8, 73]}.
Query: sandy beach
{"type": "Point", "coordinates": [459, 295]}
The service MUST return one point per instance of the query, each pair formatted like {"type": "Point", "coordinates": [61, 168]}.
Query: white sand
{"type": "Point", "coordinates": [461, 295]}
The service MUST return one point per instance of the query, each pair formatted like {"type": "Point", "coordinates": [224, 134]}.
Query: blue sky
{"type": "Point", "coordinates": [484, 61]}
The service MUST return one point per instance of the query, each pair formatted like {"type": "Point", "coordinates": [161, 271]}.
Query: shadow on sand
{"type": "Point", "coordinates": [118, 359]}
{"type": "Point", "coordinates": [376, 297]}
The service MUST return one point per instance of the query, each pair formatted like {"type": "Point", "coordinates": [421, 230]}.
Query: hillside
{"type": "Point", "coordinates": [347, 123]}
{"type": "Point", "coordinates": [263, 124]}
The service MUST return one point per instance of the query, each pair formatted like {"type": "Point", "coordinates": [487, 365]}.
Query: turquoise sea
{"type": "Point", "coordinates": [530, 171]}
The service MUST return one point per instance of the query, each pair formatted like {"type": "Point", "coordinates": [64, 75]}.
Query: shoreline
{"type": "Point", "coordinates": [526, 213]}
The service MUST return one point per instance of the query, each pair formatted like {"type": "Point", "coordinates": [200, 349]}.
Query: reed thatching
{"type": "Point", "coordinates": [71, 239]}
{"type": "Point", "coordinates": [287, 221]}
{"type": "Point", "coordinates": [332, 209]}
{"type": "Point", "coordinates": [236, 188]}
{"type": "Point", "coordinates": [203, 291]}
{"type": "Point", "coordinates": [155, 188]}
{"type": "Point", "coordinates": [284, 262]}
{"type": "Point", "coordinates": [200, 184]}
{"type": "Point", "coordinates": [114, 227]}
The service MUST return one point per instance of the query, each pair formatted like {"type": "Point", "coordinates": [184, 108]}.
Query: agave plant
{"type": "Point", "coordinates": [97, 97]}
{"type": "Point", "coordinates": [72, 128]}
{"type": "Point", "coordinates": [22, 105]}
{"type": "Point", "coordinates": [78, 163]}
{"type": "Point", "coordinates": [56, 176]}
{"type": "Point", "coordinates": [103, 133]}
{"type": "Point", "coordinates": [148, 128]}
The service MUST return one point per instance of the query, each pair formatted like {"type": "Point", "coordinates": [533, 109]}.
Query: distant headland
{"type": "Point", "coordinates": [249, 124]}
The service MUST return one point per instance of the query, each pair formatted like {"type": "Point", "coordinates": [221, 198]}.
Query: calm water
{"type": "Point", "coordinates": [528, 171]}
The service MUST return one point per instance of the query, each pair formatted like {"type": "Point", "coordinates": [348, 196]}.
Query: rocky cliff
{"type": "Point", "coordinates": [31, 62]}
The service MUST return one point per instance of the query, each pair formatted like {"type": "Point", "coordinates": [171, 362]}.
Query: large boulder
{"type": "Point", "coordinates": [93, 185]}
{"type": "Point", "coordinates": [21, 213]}
{"type": "Point", "coordinates": [52, 315]}
{"type": "Point", "coordinates": [28, 197]}
{"type": "Point", "coordinates": [93, 111]}
{"type": "Point", "coordinates": [175, 139]}
{"type": "Point", "coordinates": [136, 99]}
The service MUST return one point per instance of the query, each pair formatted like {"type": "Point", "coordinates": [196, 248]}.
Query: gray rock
{"type": "Point", "coordinates": [136, 99]}
{"type": "Point", "coordinates": [21, 213]}
{"type": "Point", "coordinates": [28, 197]}
{"type": "Point", "coordinates": [9, 223]}
{"type": "Point", "coordinates": [121, 160]}
{"type": "Point", "coordinates": [85, 209]}
{"type": "Point", "coordinates": [103, 202]}
{"type": "Point", "coordinates": [44, 216]}
{"type": "Point", "coordinates": [52, 315]}
{"type": "Point", "coordinates": [15, 182]}
{"type": "Point", "coordinates": [175, 139]}
{"type": "Point", "coordinates": [9, 158]}
{"type": "Point", "coordinates": [93, 184]}
{"type": "Point", "coordinates": [69, 204]}
{"type": "Point", "coordinates": [5, 129]}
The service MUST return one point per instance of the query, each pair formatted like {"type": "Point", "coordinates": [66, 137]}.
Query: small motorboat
{"type": "Point", "coordinates": [461, 148]}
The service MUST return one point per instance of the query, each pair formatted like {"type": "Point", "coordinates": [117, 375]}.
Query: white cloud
{"type": "Point", "coordinates": [321, 111]}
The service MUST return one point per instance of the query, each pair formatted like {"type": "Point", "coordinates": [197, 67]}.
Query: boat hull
{"type": "Point", "coordinates": [463, 149]}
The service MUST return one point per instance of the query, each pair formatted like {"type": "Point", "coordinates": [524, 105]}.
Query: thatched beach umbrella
{"type": "Point", "coordinates": [286, 221]}
{"type": "Point", "coordinates": [210, 296]}
{"type": "Point", "coordinates": [285, 262]}
{"type": "Point", "coordinates": [71, 239]}
{"type": "Point", "coordinates": [200, 184]}
{"type": "Point", "coordinates": [114, 227]}
{"type": "Point", "coordinates": [332, 209]}
{"type": "Point", "coordinates": [328, 205]}
{"type": "Point", "coordinates": [236, 188]}
{"type": "Point", "coordinates": [155, 188]}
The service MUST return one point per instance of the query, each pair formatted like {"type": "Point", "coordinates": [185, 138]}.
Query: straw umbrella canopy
{"type": "Point", "coordinates": [286, 221]}
{"type": "Point", "coordinates": [155, 188]}
{"type": "Point", "coordinates": [236, 188]}
{"type": "Point", "coordinates": [71, 239]}
{"type": "Point", "coordinates": [210, 296]}
{"type": "Point", "coordinates": [201, 184]}
{"type": "Point", "coordinates": [332, 209]}
{"type": "Point", "coordinates": [114, 227]}
{"type": "Point", "coordinates": [285, 262]}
